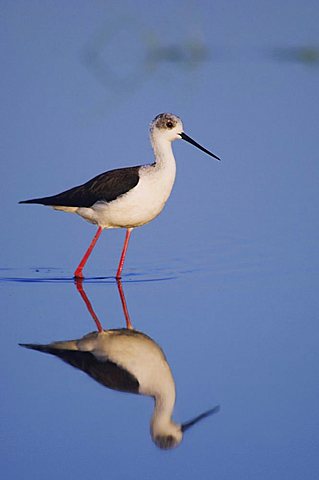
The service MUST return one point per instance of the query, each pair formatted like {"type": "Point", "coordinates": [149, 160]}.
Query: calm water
{"type": "Point", "coordinates": [224, 280]}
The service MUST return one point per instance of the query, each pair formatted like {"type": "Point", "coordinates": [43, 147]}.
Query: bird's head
{"type": "Point", "coordinates": [168, 435]}
{"type": "Point", "coordinates": [166, 125]}
{"type": "Point", "coordinates": [169, 127]}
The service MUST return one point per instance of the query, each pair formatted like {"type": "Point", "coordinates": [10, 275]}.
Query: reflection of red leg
{"type": "Point", "coordinates": [78, 272]}
{"type": "Point", "coordinates": [125, 310]}
{"type": "Point", "coordinates": [79, 286]}
{"type": "Point", "coordinates": [120, 267]}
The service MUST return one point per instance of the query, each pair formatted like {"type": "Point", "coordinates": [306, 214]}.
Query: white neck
{"type": "Point", "coordinates": [163, 410]}
{"type": "Point", "coordinates": [162, 150]}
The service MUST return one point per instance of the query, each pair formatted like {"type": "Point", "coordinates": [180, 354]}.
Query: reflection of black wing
{"type": "Point", "coordinates": [105, 187]}
{"type": "Point", "coordinates": [105, 372]}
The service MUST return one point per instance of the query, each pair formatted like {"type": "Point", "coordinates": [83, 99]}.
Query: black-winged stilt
{"type": "Point", "coordinates": [126, 197]}
{"type": "Point", "coordinates": [128, 361]}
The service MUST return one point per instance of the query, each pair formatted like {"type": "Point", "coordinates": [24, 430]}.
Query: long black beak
{"type": "Point", "coordinates": [190, 140]}
{"type": "Point", "coordinates": [192, 422]}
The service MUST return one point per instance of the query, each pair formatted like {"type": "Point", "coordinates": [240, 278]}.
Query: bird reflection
{"type": "Point", "coordinates": [128, 361]}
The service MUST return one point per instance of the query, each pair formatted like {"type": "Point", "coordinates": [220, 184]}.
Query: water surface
{"type": "Point", "coordinates": [224, 279]}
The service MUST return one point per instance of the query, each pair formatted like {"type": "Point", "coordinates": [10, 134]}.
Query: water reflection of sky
{"type": "Point", "coordinates": [224, 280]}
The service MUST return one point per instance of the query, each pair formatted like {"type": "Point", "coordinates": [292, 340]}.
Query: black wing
{"type": "Point", "coordinates": [104, 187]}
{"type": "Point", "coordinates": [105, 372]}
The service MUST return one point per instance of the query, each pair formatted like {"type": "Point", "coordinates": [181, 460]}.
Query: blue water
{"type": "Point", "coordinates": [225, 279]}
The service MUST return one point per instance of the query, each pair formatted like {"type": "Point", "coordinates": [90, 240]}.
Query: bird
{"type": "Point", "coordinates": [126, 197]}
{"type": "Point", "coordinates": [129, 361]}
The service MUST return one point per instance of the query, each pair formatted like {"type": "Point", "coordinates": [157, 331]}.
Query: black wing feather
{"type": "Point", "coordinates": [104, 187]}
{"type": "Point", "coordinates": [105, 372]}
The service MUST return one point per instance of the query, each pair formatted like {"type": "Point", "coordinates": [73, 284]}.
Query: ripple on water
{"type": "Point", "coordinates": [58, 275]}
{"type": "Point", "coordinates": [221, 257]}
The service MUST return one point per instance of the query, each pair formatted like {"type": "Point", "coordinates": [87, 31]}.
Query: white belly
{"type": "Point", "coordinates": [137, 207]}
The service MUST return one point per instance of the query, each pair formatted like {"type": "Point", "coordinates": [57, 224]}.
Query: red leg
{"type": "Point", "coordinates": [125, 310]}
{"type": "Point", "coordinates": [78, 272]}
{"type": "Point", "coordinates": [120, 267]}
{"type": "Point", "coordinates": [79, 286]}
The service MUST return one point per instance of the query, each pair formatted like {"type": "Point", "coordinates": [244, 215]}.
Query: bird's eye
{"type": "Point", "coordinates": [169, 124]}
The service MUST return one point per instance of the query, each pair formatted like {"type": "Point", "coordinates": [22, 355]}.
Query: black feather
{"type": "Point", "coordinates": [104, 187]}
{"type": "Point", "coordinates": [105, 372]}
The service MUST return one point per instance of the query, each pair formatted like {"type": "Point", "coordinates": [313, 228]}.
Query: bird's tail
{"type": "Point", "coordinates": [40, 348]}
{"type": "Point", "coordinates": [52, 348]}
{"type": "Point", "coordinates": [41, 201]}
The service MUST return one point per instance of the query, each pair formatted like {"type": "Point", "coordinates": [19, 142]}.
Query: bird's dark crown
{"type": "Point", "coordinates": [165, 121]}
{"type": "Point", "coordinates": [166, 441]}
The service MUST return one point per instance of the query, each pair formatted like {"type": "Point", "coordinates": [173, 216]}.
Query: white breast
{"type": "Point", "coordinates": [141, 204]}
{"type": "Point", "coordinates": [138, 354]}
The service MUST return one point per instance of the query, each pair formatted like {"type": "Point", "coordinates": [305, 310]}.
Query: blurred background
{"type": "Point", "coordinates": [225, 279]}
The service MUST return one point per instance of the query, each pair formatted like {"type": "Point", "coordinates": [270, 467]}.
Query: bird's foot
{"type": "Point", "coordinates": [78, 275]}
